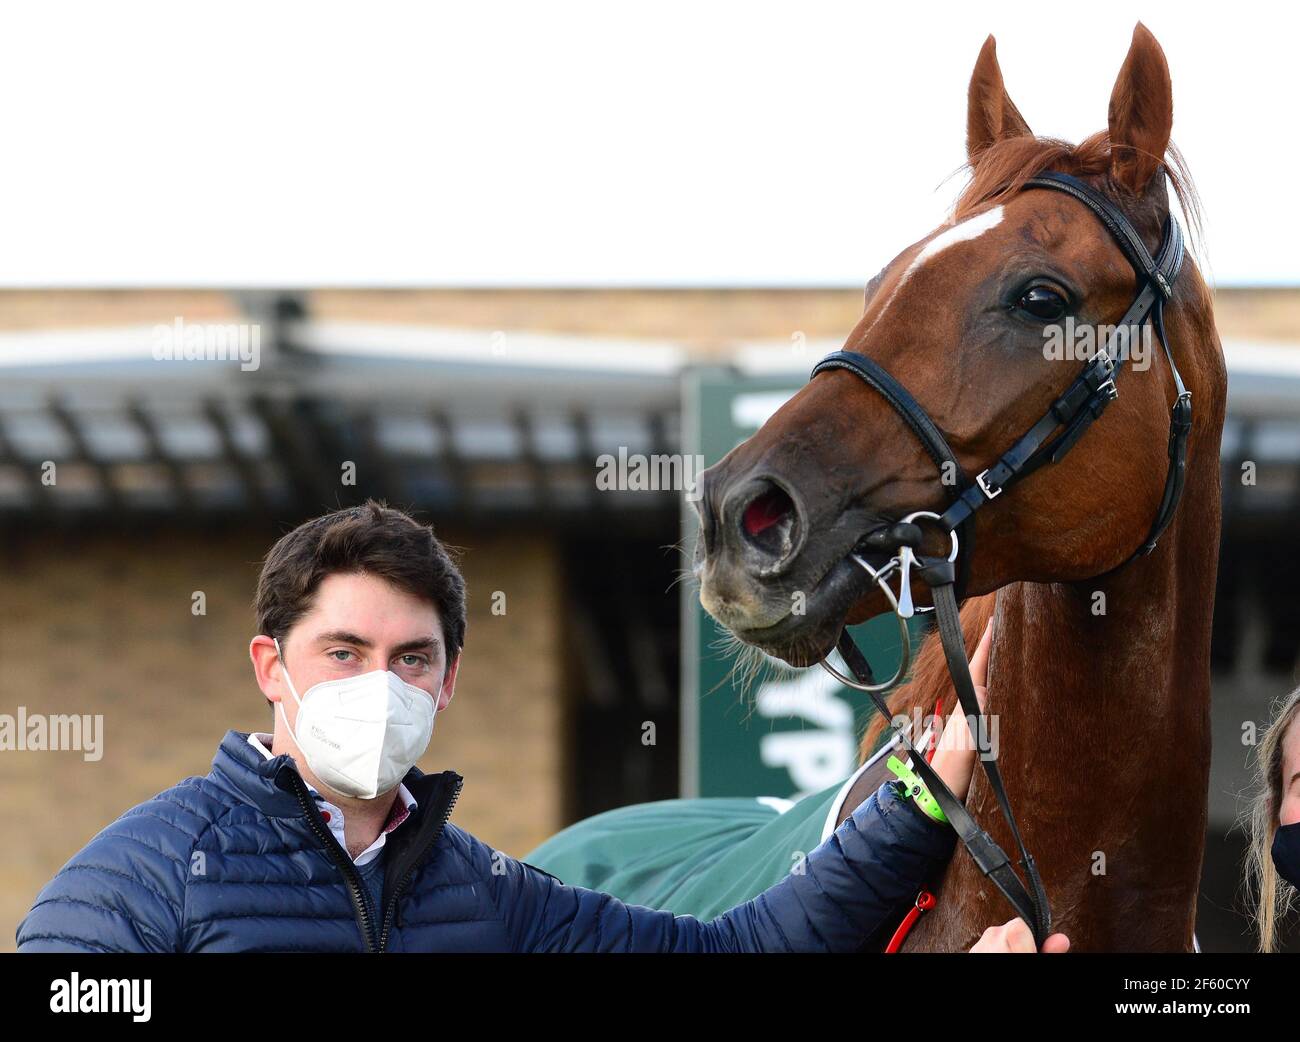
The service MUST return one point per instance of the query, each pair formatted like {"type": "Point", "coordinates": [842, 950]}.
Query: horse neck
{"type": "Point", "coordinates": [1102, 690]}
{"type": "Point", "coordinates": [1133, 647]}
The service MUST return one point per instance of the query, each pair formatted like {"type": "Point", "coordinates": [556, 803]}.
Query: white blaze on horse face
{"type": "Point", "coordinates": [971, 228]}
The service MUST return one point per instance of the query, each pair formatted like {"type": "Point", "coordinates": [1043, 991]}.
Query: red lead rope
{"type": "Point", "coordinates": [924, 900]}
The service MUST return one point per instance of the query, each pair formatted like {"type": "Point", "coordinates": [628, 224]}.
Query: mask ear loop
{"type": "Point", "coordinates": [279, 705]}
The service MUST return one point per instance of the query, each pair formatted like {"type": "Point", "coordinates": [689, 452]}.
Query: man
{"type": "Point", "coordinates": [324, 837]}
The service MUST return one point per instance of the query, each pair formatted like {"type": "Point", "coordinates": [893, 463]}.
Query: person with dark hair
{"type": "Point", "coordinates": [323, 835]}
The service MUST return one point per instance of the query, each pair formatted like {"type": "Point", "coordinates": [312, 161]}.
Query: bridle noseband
{"type": "Point", "coordinates": [1072, 413]}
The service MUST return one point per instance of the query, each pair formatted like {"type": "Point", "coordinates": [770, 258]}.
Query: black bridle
{"type": "Point", "coordinates": [1072, 414]}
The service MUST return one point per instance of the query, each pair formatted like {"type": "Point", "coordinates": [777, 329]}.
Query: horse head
{"type": "Point", "coordinates": [983, 322]}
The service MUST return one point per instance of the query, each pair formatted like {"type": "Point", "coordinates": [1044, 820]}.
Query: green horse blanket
{"type": "Point", "coordinates": [696, 857]}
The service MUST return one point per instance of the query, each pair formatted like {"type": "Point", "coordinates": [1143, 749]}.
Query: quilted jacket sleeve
{"type": "Point", "coordinates": [877, 859]}
{"type": "Point", "coordinates": [123, 892]}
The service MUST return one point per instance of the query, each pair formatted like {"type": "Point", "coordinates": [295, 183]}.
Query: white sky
{"type": "Point", "coordinates": [596, 144]}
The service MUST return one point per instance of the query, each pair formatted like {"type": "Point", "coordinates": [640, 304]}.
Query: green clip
{"type": "Point", "coordinates": [916, 789]}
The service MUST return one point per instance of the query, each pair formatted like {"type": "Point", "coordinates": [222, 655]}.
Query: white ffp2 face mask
{"type": "Point", "coordinates": [361, 734]}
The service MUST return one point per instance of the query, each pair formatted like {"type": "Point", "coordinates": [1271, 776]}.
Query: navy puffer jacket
{"type": "Point", "coordinates": [241, 860]}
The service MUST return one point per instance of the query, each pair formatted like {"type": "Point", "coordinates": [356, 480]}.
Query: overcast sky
{"type": "Point", "coordinates": [583, 144]}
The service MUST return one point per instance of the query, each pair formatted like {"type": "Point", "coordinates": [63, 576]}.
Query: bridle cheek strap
{"type": "Point", "coordinates": [952, 475]}
{"type": "Point", "coordinates": [1094, 388]}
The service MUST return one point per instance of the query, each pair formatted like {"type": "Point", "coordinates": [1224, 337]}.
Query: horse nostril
{"type": "Point", "coordinates": [768, 522]}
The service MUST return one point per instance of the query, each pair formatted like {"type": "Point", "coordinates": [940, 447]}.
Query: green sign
{"type": "Point", "coordinates": [788, 732]}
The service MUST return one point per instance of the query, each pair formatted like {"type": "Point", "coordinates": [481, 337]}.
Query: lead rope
{"type": "Point", "coordinates": [950, 635]}
{"type": "Point", "coordinates": [925, 899]}
{"type": "Point", "coordinates": [1034, 908]}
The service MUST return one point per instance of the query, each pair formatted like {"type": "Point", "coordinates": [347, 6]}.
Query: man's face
{"type": "Point", "coordinates": [358, 624]}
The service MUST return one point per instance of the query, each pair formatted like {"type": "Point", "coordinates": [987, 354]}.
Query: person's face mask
{"type": "Point", "coordinates": [361, 734]}
{"type": "Point", "coordinates": [1286, 853]}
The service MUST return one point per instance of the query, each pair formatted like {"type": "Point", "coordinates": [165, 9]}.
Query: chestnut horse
{"type": "Point", "coordinates": [1099, 674]}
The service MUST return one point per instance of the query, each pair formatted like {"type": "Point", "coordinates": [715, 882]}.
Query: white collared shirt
{"type": "Point", "coordinates": [334, 815]}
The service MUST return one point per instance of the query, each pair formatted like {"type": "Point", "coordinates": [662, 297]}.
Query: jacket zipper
{"type": "Point", "coordinates": [340, 858]}
{"type": "Point", "coordinates": [391, 911]}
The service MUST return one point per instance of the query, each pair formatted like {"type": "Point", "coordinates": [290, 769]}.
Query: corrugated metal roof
{"type": "Point", "coordinates": [481, 423]}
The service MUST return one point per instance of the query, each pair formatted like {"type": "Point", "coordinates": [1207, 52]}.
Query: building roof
{"type": "Point", "coordinates": [486, 404]}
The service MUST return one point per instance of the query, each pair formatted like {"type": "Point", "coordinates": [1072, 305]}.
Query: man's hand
{"type": "Point", "coordinates": [1016, 936]}
{"type": "Point", "coordinates": [954, 759]}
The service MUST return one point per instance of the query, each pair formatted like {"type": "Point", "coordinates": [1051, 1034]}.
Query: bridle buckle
{"type": "Point", "coordinates": [990, 490]}
{"type": "Point", "coordinates": [1103, 365]}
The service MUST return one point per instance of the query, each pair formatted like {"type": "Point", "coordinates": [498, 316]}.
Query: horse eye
{"type": "Point", "coordinates": [1043, 303]}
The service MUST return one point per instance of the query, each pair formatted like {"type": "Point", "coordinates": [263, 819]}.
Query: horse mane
{"type": "Point", "coordinates": [1002, 169]}
{"type": "Point", "coordinates": [929, 680]}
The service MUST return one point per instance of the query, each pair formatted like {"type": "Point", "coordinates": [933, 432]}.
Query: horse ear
{"type": "Point", "coordinates": [1141, 113]}
{"type": "Point", "coordinates": [990, 113]}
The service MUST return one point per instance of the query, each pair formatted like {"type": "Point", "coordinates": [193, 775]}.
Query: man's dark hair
{"type": "Point", "coordinates": [373, 539]}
